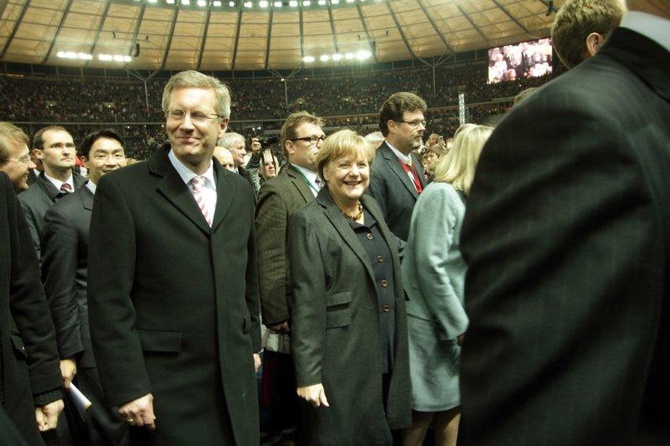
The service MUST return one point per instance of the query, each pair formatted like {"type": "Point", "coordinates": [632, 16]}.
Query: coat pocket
{"type": "Point", "coordinates": [19, 347]}
{"type": "Point", "coordinates": [338, 309]}
{"type": "Point", "coordinates": [160, 341]}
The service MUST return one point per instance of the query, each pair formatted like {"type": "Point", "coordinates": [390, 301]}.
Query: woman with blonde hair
{"type": "Point", "coordinates": [349, 326]}
{"type": "Point", "coordinates": [433, 272]}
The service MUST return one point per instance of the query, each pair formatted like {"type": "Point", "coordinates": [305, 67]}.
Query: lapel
{"type": "Point", "coordinates": [86, 197]}
{"type": "Point", "coordinates": [173, 188]}
{"type": "Point", "coordinates": [298, 181]}
{"type": "Point", "coordinates": [47, 187]}
{"type": "Point", "coordinates": [342, 226]}
{"type": "Point", "coordinates": [394, 164]}
{"type": "Point", "coordinates": [224, 195]}
{"type": "Point", "coordinates": [642, 56]}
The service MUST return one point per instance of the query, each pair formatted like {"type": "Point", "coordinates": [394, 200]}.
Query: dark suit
{"type": "Point", "coordinates": [37, 199]}
{"type": "Point", "coordinates": [173, 303]}
{"type": "Point", "coordinates": [391, 186]}
{"type": "Point", "coordinates": [28, 353]}
{"type": "Point", "coordinates": [567, 239]}
{"type": "Point", "coordinates": [277, 200]}
{"type": "Point", "coordinates": [336, 328]}
{"type": "Point", "coordinates": [64, 274]}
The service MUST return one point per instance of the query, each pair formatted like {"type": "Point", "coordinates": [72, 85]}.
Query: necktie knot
{"type": "Point", "coordinates": [66, 188]}
{"type": "Point", "coordinates": [197, 183]}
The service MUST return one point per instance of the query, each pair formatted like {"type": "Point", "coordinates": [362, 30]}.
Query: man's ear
{"type": "Point", "coordinates": [38, 153]}
{"type": "Point", "coordinates": [289, 147]}
{"type": "Point", "coordinates": [593, 42]}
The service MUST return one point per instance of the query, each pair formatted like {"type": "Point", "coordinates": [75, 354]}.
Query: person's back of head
{"type": "Point", "coordinates": [581, 26]}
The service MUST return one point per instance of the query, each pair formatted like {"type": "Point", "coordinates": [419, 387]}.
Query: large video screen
{"type": "Point", "coordinates": [523, 60]}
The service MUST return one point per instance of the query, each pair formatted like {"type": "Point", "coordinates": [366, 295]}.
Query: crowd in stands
{"type": "Point", "coordinates": [132, 106]}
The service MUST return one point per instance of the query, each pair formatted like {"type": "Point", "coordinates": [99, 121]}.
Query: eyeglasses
{"type": "Point", "coordinates": [415, 123]}
{"type": "Point", "coordinates": [25, 160]}
{"type": "Point", "coordinates": [312, 140]}
{"type": "Point", "coordinates": [196, 116]}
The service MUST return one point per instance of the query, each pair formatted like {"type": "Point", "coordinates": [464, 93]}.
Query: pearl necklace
{"type": "Point", "coordinates": [354, 217]}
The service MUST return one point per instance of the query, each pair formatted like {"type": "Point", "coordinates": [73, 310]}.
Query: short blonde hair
{"type": "Point", "coordinates": [458, 166]}
{"type": "Point", "coordinates": [195, 79]}
{"type": "Point", "coordinates": [343, 143]}
{"type": "Point", "coordinates": [10, 135]}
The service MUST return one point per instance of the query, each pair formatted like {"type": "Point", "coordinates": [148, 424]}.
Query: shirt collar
{"type": "Point", "coordinates": [58, 183]}
{"type": "Point", "coordinates": [187, 174]}
{"type": "Point", "coordinates": [649, 25]}
{"type": "Point", "coordinates": [404, 158]}
{"type": "Point", "coordinates": [91, 186]}
{"type": "Point", "coordinates": [311, 176]}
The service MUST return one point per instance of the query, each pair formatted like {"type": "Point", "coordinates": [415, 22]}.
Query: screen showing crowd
{"type": "Point", "coordinates": [523, 60]}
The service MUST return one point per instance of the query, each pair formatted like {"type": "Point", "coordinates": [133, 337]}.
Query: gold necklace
{"type": "Point", "coordinates": [354, 217]}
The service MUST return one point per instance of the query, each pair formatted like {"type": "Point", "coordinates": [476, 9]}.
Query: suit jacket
{"type": "Point", "coordinates": [433, 269]}
{"type": "Point", "coordinates": [335, 333]}
{"type": "Point", "coordinates": [37, 199]}
{"type": "Point", "coordinates": [394, 191]}
{"type": "Point", "coordinates": [29, 358]}
{"type": "Point", "coordinates": [567, 241]}
{"type": "Point", "coordinates": [173, 303]}
{"type": "Point", "coordinates": [278, 199]}
{"type": "Point", "coordinates": [65, 271]}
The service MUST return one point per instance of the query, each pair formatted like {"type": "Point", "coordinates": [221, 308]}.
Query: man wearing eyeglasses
{"type": "Point", "coordinates": [172, 282]}
{"type": "Point", "coordinates": [296, 185]}
{"type": "Point", "coordinates": [397, 176]}
{"type": "Point", "coordinates": [14, 156]}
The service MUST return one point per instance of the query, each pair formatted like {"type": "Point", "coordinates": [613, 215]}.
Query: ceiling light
{"type": "Point", "coordinates": [293, 3]}
{"type": "Point", "coordinates": [153, 1]}
{"type": "Point", "coordinates": [278, 4]}
{"type": "Point", "coordinates": [308, 59]}
{"type": "Point", "coordinates": [104, 57]}
{"type": "Point", "coordinates": [306, 3]}
{"type": "Point", "coordinates": [169, 2]}
{"type": "Point", "coordinates": [337, 57]}
{"type": "Point", "coordinates": [324, 58]}
{"type": "Point", "coordinates": [334, 2]}
{"type": "Point", "coordinates": [247, 4]}
{"type": "Point", "coordinates": [362, 54]}
{"type": "Point", "coordinates": [321, 2]}
{"type": "Point", "coordinates": [202, 3]}
{"type": "Point", "coordinates": [263, 4]}
{"type": "Point", "coordinates": [216, 3]}
{"type": "Point", "coordinates": [349, 56]}
{"type": "Point", "coordinates": [185, 2]}
{"type": "Point", "coordinates": [231, 4]}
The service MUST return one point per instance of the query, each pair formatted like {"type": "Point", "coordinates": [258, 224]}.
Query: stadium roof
{"type": "Point", "coordinates": [229, 35]}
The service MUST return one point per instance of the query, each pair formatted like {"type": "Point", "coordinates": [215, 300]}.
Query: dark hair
{"type": "Point", "coordinates": [395, 107]}
{"type": "Point", "coordinates": [92, 137]}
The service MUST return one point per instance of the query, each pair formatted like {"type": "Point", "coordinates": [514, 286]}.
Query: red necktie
{"type": "Point", "coordinates": [410, 169]}
{"type": "Point", "coordinates": [65, 188]}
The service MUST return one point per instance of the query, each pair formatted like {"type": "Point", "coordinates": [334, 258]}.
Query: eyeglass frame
{"type": "Point", "coordinates": [179, 115]}
{"type": "Point", "coordinates": [414, 124]}
{"type": "Point", "coordinates": [25, 160]}
{"type": "Point", "coordinates": [312, 140]}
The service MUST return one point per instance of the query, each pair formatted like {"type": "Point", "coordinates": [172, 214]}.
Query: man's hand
{"type": "Point", "coordinates": [257, 362]}
{"type": "Point", "coordinates": [47, 416]}
{"type": "Point", "coordinates": [68, 370]}
{"type": "Point", "coordinates": [314, 394]}
{"type": "Point", "coordinates": [255, 145]}
{"type": "Point", "coordinates": [139, 412]}
{"type": "Point", "coordinates": [283, 328]}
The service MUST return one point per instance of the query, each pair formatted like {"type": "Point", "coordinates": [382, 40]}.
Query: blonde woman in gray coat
{"type": "Point", "coordinates": [433, 272]}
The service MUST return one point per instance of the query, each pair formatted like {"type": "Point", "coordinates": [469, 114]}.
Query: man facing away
{"type": "Point", "coordinates": [55, 147]}
{"type": "Point", "coordinates": [397, 177]}
{"type": "Point", "coordinates": [172, 284]}
{"type": "Point", "coordinates": [296, 185]}
{"type": "Point", "coordinates": [567, 241]}
{"type": "Point", "coordinates": [65, 241]}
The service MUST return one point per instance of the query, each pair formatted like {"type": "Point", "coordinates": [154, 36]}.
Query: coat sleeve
{"type": "Point", "coordinates": [60, 246]}
{"type": "Point", "coordinates": [432, 242]}
{"type": "Point", "coordinates": [29, 309]}
{"type": "Point", "coordinates": [308, 312]}
{"type": "Point", "coordinates": [273, 269]}
{"type": "Point", "coordinates": [111, 270]}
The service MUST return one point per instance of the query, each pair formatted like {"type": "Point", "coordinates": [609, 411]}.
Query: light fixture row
{"type": "Point", "coordinates": [263, 4]}
{"type": "Point", "coordinates": [86, 56]}
{"type": "Point", "coordinates": [359, 55]}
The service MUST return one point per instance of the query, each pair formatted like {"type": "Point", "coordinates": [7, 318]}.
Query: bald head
{"type": "Point", "coordinates": [225, 158]}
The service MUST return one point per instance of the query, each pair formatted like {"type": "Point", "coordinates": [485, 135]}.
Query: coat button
{"type": "Point", "coordinates": [386, 308]}
{"type": "Point", "coordinates": [384, 283]}
{"type": "Point", "coordinates": [380, 259]}
{"type": "Point", "coordinates": [369, 236]}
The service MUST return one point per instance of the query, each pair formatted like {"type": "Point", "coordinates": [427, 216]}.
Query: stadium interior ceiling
{"type": "Point", "coordinates": [275, 36]}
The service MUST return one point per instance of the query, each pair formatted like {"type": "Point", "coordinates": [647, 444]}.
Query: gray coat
{"type": "Point", "coordinates": [336, 330]}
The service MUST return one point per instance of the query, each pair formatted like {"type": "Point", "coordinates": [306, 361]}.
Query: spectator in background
{"type": "Point", "coordinates": [375, 138]}
{"type": "Point", "coordinates": [65, 241]}
{"type": "Point", "coordinates": [430, 156]}
{"type": "Point", "coordinates": [581, 27]}
{"type": "Point", "coordinates": [350, 327]}
{"type": "Point", "coordinates": [236, 144]}
{"type": "Point", "coordinates": [55, 147]}
{"type": "Point", "coordinates": [566, 240]}
{"type": "Point", "coordinates": [433, 274]}
{"type": "Point", "coordinates": [225, 158]}
{"type": "Point", "coordinates": [397, 176]}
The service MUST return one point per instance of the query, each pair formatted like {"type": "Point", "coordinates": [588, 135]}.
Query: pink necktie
{"type": "Point", "coordinates": [197, 183]}
{"type": "Point", "coordinates": [65, 188]}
